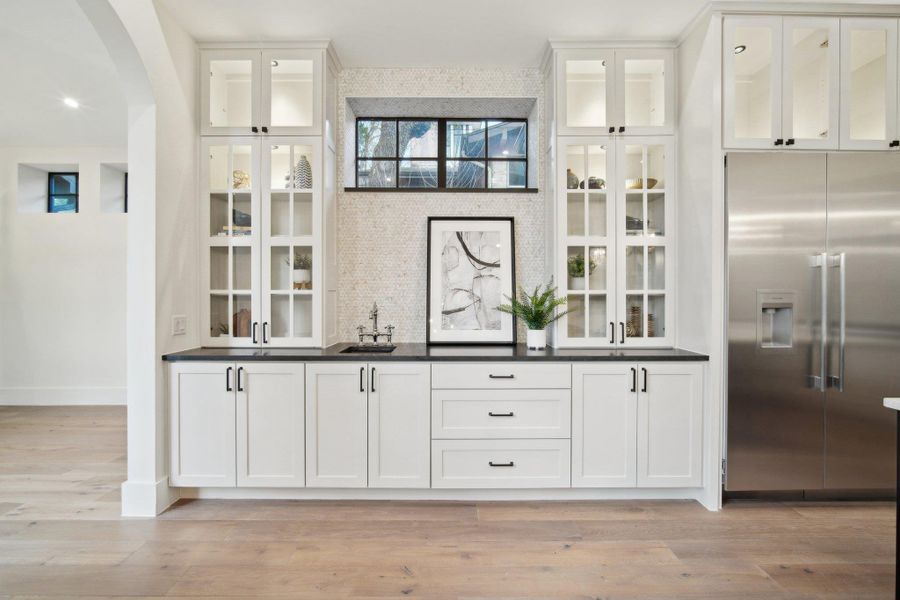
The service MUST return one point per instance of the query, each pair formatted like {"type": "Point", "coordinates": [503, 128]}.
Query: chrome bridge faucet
{"type": "Point", "coordinates": [375, 334]}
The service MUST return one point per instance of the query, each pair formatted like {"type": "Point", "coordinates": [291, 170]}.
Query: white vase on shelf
{"type": "Point", "coordinates": [536, 339]}
{"type": "Point", "coordinates": [302, 276]}
{"type": "Point", "coordinates": [576, 283]}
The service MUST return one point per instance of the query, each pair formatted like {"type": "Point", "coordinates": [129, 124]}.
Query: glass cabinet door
{"type": "Point", "coordinates": [644, 212]}
{"type": "Point", "coordinates": [585, 84]}
{"type": "Point", "coordinates": [811, 76]}
{"type": "Point", "coordinates": [230, 92]}
{"type": "Point", "coordinates": [868, 83]}
{"type": "Point", "coordinates": [588, 229]}
{"type": "Point", "coordinates": [645, 89]}
{"type": "Point", "coordinates": [289, 249]}
{"type": "Point", "coordinates": [230, 209]}
{"type": "Point", "coordinates": [291, 104]}
{"type": "Point", "coordinates": [752, 82]}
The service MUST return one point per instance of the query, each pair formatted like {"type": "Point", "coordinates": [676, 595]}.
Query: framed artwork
{"type": "Point", "coordinates": [471, 270]}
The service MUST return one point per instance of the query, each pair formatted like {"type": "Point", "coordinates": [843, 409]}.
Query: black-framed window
{"type": "Point", "coordinates": [62, 192]}
{"type": "Point", "coordinates": [445, 154]}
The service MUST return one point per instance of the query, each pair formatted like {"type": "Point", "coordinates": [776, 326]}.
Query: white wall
{"type": "Point", "coordinates": [62, 284]}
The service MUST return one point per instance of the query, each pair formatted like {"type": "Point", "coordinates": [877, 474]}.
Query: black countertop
{"type": "Point", "coordinates": [424, 352]}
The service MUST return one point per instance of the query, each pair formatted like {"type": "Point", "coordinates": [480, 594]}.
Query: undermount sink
{"type": "Point", "coordinates": [366, 348]}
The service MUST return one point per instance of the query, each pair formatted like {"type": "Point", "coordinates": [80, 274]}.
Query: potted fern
{"type": "Point", "coordinates": [538, 310]}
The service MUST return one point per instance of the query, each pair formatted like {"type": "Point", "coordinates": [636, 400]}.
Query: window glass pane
{"type": "Point", "coordinates": [376, 139]}
{"type": "Point", "coordinates": [230, 92]}
{"type": "Point", "coordinates": [465, 139]}
{"type": "Point", "coordinates": [506, 174]}
{"type": "Point", "coordinates": [506, 140]}
{"type": "Point", "coordinates": [465, 174]}
{"type": "Point", "coordinates": [292, 92]}
{"type": "Point", "coordinates": [418, 173]}
{"type": "Point", "coordinates": [376, 173]}
{"type": "Point", "coordinates": [60, 204]}
{"type": "Point", "coordinates": [868, 84]}
{"type": "Point", "coordinates": [418, 139]}
{"type": "Point", "coordinates": [61, 183]}
{"type": "Point", "coordinates": [645, 89]}
{"type": "Point", "coordinates": [753, 77]}
{"type": "Point", "coordinates": [810, 81]}
{"type": "Point", "coordinates": [585, 93]}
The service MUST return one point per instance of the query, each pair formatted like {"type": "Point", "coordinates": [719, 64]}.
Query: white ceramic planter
{"type": "Point", "coordinates": [302, 276]}
{"type": "Point", "coordinates": [536, 339]}
{"type": "Point", "coordinates": [576, 283]}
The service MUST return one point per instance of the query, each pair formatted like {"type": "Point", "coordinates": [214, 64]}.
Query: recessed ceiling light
{"type": "Point", "coordinates": [739, 49]}
{"type": "Point", "coordinates": [274, 63]}
{"type": "Point", "coordinates": [71, 102]}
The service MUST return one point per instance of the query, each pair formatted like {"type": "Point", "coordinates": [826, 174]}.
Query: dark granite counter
{"type": "Point", "coordinates": [424, 352]}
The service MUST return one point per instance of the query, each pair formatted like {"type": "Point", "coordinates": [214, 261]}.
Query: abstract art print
{"type": "Point", "coordinates": [470, 271]}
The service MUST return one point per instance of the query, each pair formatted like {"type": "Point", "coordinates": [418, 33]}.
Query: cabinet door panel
{"type": "Point", "coordinates": [292, 92]}
{"type": "Point", "coordinates": [604, 425]}
{"type": "Point", "coordinates": [229, 92]}
{"type": "Point", "coordinates": [336, 425]}
{"type": "Point", "coordinates": [270, 425]}
{"type": "Point", "coordinates": [645, 91]}
{"type": "Point", "coordinates": [752, 81]}
{"type": "Point", "coordinates": [670, 425]}
{"type": "Point", "coordinates": [399, 415]}
{"type": "Point", "coordinates": [868, 83]}
{"type": "Point", "coordinates": [202, 424]}
{"type": "Point", "coordinates": [585, 88]}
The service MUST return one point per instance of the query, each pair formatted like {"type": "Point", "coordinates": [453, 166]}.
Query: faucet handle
{"type": "Point", "coordinates": [390, 332]}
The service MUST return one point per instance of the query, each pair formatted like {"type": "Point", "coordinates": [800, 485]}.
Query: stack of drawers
{"type": "Point", "coordinates": [501, 425]}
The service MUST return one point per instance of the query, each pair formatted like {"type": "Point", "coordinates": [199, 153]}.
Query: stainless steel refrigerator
{"type": "Point", "coordinates": [813, 320]}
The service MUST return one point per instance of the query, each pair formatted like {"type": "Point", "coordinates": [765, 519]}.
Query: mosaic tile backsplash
{"type": "Point", "coordinates": [382, 235]}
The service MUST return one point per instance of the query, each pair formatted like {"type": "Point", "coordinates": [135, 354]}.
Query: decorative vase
{"type": "Point", "coordinates": [302, 276]}
{"type": "Point", "coordinates": [536, 339]}
{"type": "Point", "coordinates": [576, 283]}
{"type": "Point", "coordinates": [302, 174]}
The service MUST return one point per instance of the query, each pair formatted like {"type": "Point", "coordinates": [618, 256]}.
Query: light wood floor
{"type": "Point", "coordinates": [60, 536]}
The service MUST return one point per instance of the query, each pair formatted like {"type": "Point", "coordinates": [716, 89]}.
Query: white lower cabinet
{"type": "Point", "coordinates": [399, 443]}
{"type": "Point", "coordinates": [201, 424]}
{"type": "Point", "coordinates": [637, 424]}
{"type": "Point", "coordinates": [500, 463]}
{"type": "Point", "coordinates": [270, 423]}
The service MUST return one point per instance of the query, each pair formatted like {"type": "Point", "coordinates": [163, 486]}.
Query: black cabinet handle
{"type": "Point", "coordinates": [254, 331]}
{"type": "Point", "coordinates": [633, 379]}
{"type": "Point", "coordinates": [506, 414]}
{"type": "Point", "coordinates": [644, 371]}
{"type": "Point", "coordinates": [621, 129]}
{"type": "Point", "coordinates": [228, 387]}
{"type": "Point", "coordinates": [362, 385]}
{"type": "Point", "coordinates": [254, 129]}
{"type": "Point", "coordinates": [894, 144]}
{"type": "Point", "coordinates": [612, 332]}
{"type": "Point", "coordinates": [239, 386]}
{"type": "Point", "coordinates": [612, 129]}
{"type": "Point", "coordinates": [372, 387]}
{"type": "Point", "coordinates": [492, 376]}
{"type": "Point", "coordinates": [779, 142]}
{"type": "Point", "coordinates": [265, 129]}
{"type": "Point", "coordinates": [265, 332]}
{"type": "Point", "coordinates": [789, 142]}
{"type": "Point", "coordinates": [621, 332]}
{"type": "Point", "coordinates": [506, 464]}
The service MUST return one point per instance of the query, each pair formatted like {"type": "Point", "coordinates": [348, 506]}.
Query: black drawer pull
{"type": "Point", "coordinates": [506, 414]}
{"type": "Point", "coordinates": [506, 464]}
{"type": "Point", "coordinates": [492, 376]}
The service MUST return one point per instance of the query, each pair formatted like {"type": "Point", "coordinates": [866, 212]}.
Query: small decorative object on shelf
{"type": "Point", "coordinates": [633, 327]}
{"type": "Point", "coordinates": [303, 174]}
{"type": "Point", "coordinates": [302, 276]}
{"type": "Point", "coordinates": [651, 325]}
{"type": "Point", "coordinates": [240, 218]}
{"type": "Point", "coordinates": [594, 183]}
{"type": "Point", "coordinates": [240, 179]}
{"type": "Point", "coordinates": [537, 311]}
{"type": "Point", "coordinates": [571, 180]}
{"type": "Point", "coordinates": [241, 323]}
{"type": "Point", "coordinates": [576, 271]}
{"type": "Point", "coordinates": [638, 184]}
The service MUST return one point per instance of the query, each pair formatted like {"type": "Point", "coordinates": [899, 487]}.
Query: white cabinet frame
{"type": "Point", "coordinates": [669, 76]}
{"type": "Point", "coordinates": [562, 91]}
{"type": "Point", "coordinates": [318, 91]}
{"type": "Point", "coordinates": [237, 54]}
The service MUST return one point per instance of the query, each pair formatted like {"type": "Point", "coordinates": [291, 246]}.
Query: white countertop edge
{"type": "Point", "coordinates": [892, 403]}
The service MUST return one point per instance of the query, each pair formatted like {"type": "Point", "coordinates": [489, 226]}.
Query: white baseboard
{"type": "Point", "coordinates": [147, 499]}
{"type": "Point", "coordinates": [61, 396]}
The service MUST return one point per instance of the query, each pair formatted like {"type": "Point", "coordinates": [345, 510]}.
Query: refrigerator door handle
{"type": "Point", "coordinates": [820, 261]}
{"type": "Point", "coordinates": [840, 261]}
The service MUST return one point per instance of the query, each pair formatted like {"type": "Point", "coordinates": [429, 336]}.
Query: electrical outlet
{"type": "Point", "coordinates": [179, 325]}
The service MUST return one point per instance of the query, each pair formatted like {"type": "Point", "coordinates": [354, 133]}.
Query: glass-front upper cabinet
{"type": "Point", "coordinates": [869, 104]}
{"type": "Point", "coordinates": [644, 209]}
{"type": "Point", "coordinates": [752, 92]}
{"type": "Point", "coordinates": [811, 88]}
{"type": "Point", "coordinates": [588, 231]}
{"type": "Point", "coordinates": [290, 260]}
{"type": "Point", "coordinates": [600, 92]}
{"type": "Point", "coordinates": [251, 91]}
{"type": "Point", "coordinates": [230, 303]}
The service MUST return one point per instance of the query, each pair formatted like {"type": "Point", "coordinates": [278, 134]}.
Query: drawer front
{"type": "Point", "coordinates": [500, 464]}
{"type": "Point", "coordinates": [503, 414]}
{"type": "Point", "coordinates": [502, 375]}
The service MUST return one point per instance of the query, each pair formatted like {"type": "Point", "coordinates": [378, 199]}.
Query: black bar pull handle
{"type": "Point", "coordinates": [644, 371]}
{"type": "Point", "coordinates": [633, 379]}
{"type": "Point", "coordinates": [506, 414]}
{"type": "Point", "coordinates": [612, 332]}
{"type": "Point", "coordinates": [254, 331]}
{"type": "Point", "coordinates": [372, 387]}
{"type": "Point", "coordinates": [265, 332]}
{"type": "Point", "coordinates": [510, 376]}
{"type": "Point", "coordinates": [621, 332]}
{"type": "Point", "coordinates": [228, 387]}
{"type": "Point", "coordinates": [506, 464]}
{"type": "Point", "coordinates": [239, 386]}
{"type": "Point", "coordinates": [362, 385]}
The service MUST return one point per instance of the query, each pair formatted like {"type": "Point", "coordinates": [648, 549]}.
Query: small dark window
{"type": "Point", "coordinates": [62, 192]}
{"type": "Point", "coordinates": [449, 154]}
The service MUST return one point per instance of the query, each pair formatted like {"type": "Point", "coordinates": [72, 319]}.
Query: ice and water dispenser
{"type": "Point", "coordinates": [775, 319]}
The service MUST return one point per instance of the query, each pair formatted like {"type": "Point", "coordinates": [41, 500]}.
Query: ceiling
{"type": "Point", "coordinates": [48, 51]}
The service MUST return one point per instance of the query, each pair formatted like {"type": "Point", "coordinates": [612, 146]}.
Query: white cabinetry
{"type": "Point", "coordinates": [637, 425]}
